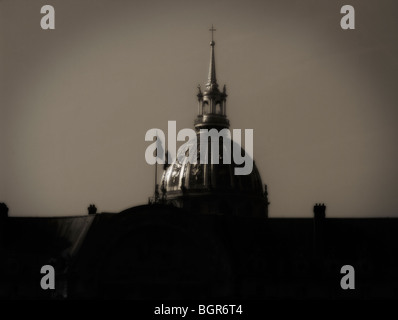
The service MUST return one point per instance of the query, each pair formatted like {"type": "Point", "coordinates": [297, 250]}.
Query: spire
{"type": "Point", "coordinates": [212, 104]}
{"type": "Point", "coordinates": [212, 68]}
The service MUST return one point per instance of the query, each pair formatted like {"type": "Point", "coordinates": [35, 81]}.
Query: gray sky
{"type": "Point", "coordinates": [76, 101]}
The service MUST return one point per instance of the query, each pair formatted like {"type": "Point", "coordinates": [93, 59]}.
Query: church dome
{"type": "Point", "coordinates": [214, 188]}
{"type": "Point", "coordinates": [219, 178]}
{"type": "Point", "coordinates": [208, 187]}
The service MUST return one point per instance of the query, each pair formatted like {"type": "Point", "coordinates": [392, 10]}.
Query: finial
{"type": "Point", "coordinates": [200, 94]}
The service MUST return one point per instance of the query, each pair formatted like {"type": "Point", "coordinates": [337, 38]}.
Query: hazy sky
{"type": "Point", "coordinates": [77, 101]}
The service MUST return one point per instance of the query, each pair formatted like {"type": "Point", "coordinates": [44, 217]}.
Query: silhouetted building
{"type": "Point", "coordinates": [158, 251]}
{"type": "Point", "coordinates": [207, 235]}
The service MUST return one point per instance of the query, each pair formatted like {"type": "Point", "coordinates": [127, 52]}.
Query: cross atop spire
{"type": "Point", "coordinates": [212, 31]}
{"type": "Point", "coordinates": [212, 68]}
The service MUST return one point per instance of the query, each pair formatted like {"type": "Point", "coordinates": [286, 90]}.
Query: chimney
{"type": "Point", "coordinates": [3, 221]}
{"type": "Point", "coordinates": [3, 210]}
{"type": "Point", "coordinates": [318, 233]}
{"type": "Point", "coordinates": [92, 209]}
{"type": "Point", "coordinates": [319, 211]}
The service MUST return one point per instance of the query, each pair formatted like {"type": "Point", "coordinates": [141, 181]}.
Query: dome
{"type": "Point", "coordinates": [217, 177]}
{"type": "Point", "coordinates": [185, 184]}
{"type": "Point", "coordinates": [207, 188]}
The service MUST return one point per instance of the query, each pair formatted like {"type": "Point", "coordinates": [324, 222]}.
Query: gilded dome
{"type": "Point", "coordinates": [220, 178]}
